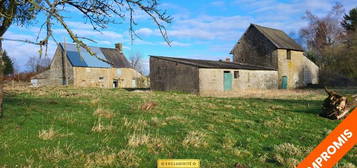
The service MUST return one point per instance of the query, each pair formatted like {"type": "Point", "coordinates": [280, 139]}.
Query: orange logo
{"type": "Point", "coordinates": [342, 139]}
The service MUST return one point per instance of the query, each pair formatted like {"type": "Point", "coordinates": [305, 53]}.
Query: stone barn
{"type": "Point", "coordinates": [263, 46]}
{"type": "Point", "coordinates": [206, 76]}
{"type": "Point", "coordinates": [76, 67]}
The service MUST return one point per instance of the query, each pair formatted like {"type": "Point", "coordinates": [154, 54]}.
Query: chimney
{"type": "Point", "coordinates": [119, 46]}
{"type": "Point", "coordinates": [228, 59]}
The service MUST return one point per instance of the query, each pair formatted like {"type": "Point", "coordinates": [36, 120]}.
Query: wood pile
{"type": "Point", "coordinates": [337, 106]}
{"type": "Point", "coordinates": [148, 106]}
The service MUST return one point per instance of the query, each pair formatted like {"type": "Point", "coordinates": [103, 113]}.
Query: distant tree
{"type": "Point", "coordinates": [99, 14]}
{"type": "Point", "coordinates": [343, 58]}
{"type": "Point", "coordinates": [349, 21]}
{"type": "Point", "coordinates": [8, 64]}
{"type": "Point", "coordinates": [15, 65]}
{"type": "Point", "coordinates": [31, 64]}
{"type": "Point", "coordinates": [322, 32]}
{"type": "Point", "coordinates": [136, 61]}
{"type": "Point", "coordinates": [38, 64]}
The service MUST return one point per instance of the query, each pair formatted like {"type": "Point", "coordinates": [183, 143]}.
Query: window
{"type": "Point", "coordinates": [288, 54]}
{"type": "Point", "coordinates": [236, 74]}
{"type": "Point", "coordinates": [101, 78]}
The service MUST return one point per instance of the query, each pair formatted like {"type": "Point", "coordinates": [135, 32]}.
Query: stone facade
{"type": "Point", "coordinates": [107, 77]}
{"type": "Point", "coordinates": [59, 73]}
{"type": "Point", "coordinates": [253, 48]}
{"type": "Point", "coordinates": [62, 72]}
{"type": "Point", "coordinates": [273, 48]}
{"type": "Point", "coordinates": [299, 70]}
{"type": "Point", "coordinates": [211, 80]}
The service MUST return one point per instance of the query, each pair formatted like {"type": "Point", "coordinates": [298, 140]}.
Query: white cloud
{"type": "Point", "coordinates": [79, 25]}
{"type": "Point", "coordinates": [145, 32]}
{"type": "Point", "coordinates": [103, 42]}
{"type": "Point", "coordinates": [22, 51]}
{"type": "Point", "coordinates": [92, 34]}
{"type": "Point", "coordinates": [176, 44]}
{"type": "Point", "coordinates": [218, 3]}
{"type": "Point", "coordinates": [210, 27]}
{"type": "Point", "coordinates": [203, 28]}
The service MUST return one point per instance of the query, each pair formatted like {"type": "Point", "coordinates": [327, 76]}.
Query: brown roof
{"type": "Point", "coordinates": [115, 57]}
{"type": "Point", "coordinates": [279, 38]}
{"type": "Point", "coordinates": [213, 64]}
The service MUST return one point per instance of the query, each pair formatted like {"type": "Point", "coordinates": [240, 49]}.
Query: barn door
{"type": "Point", "coordinates": [227, 80]}
{"type": "Point", "coordinates": [284, 82]}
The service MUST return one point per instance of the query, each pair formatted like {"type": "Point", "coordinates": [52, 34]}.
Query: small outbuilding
{"type": "Point", "coordinates": [76, 67]}
{"type": "Point", "coordinates": [207, 76]}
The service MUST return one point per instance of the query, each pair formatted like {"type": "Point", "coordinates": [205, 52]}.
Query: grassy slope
{"type": "Point", "coordinates": [218, 131]}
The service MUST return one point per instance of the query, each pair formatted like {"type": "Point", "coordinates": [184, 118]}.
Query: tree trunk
{"type": "Point", "coordinates": [336, 106]}
{"type": "Point", "coordinates": [1, 80]}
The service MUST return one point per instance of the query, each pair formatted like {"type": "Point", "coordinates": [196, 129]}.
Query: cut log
{"type": "Point", "coordinates": [337, 106]}
{"type": "Point", "coordinates": [148, 106]}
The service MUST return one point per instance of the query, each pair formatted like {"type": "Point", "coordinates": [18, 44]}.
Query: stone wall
{"type": "Point", "coordinates": [212, 80]}
{"type": "Point", "coordinates": [254, 48]}
{"type": "Point", "coordinates": [60, 72]}
{"type": "Point", "coordinates": [299, 69]}
{"type": "Point", "coordinates": [311, 72]}
{"type": "Point", "coordinates": [104, 77]}
{"type": "Point", "coordinates": [61, 69]}
{"type": "Point", "coordinates": [168, 75]}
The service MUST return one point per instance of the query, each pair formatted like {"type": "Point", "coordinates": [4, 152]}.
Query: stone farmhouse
{"type": "Point", "coordinates": [264, 58]}
{"type": "Point", "coordinates": [269, 47]}
{"type": "Point", "coordinates": [76, 67]}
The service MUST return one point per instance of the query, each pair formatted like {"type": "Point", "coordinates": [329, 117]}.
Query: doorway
{"type": "Point", "coordinates": [115, 84]}
{"type": "Point", "coordinates": [227, 81]}
{"type": "Point", "coordinates": [284, 82]}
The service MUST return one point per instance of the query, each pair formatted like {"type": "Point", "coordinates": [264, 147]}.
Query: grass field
{"type": "Point", "coordinates": [68, 127]}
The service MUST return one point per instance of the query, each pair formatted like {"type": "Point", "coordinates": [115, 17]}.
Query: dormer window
{"type": "Point", "coordinates": [288, 54]}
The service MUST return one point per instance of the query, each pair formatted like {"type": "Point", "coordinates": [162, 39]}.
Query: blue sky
{"type": "Point", "coordinates": [201, 29]}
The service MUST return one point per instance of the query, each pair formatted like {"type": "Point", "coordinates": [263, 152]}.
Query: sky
{"type": "Point", "coordinates": [201, 29]}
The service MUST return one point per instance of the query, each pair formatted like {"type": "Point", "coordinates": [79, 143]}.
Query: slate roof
{"type": "Point", "coordinates": [279, 38]}
{"type": "Point", "coordinates": [116, 58]}
{"type": "Point", "coordinates": [213, 64]}
{"type": "Point", "coordinates": [84, 59]}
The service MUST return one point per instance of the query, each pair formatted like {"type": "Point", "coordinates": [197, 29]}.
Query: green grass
{"type": "Point", "coordinates": [67, 127]}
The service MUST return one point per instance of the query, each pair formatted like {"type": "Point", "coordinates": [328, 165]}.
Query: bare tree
{"type": "Point", "coordinates": [99, 13]}
{"type": "Point", "coordinates": [136, 61]}
{"type": "Point", "coordinates": [38, 64]}
{"type": "Point", "coordinates": [31, 64]}
{"type": "Point", "coordinates": [322, 32]}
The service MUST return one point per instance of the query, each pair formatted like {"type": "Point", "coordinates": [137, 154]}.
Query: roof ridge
{"type": "Point", "coordinates": [266, 34]}
{"type": "Point", "coordinates": [87, 45]}
{"type": "Point", "coordinates": [180, 58]}
{"type": "Point", "coordinates": [267, 27]}
{"type": "Point", "coordinates": [212, 63]}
